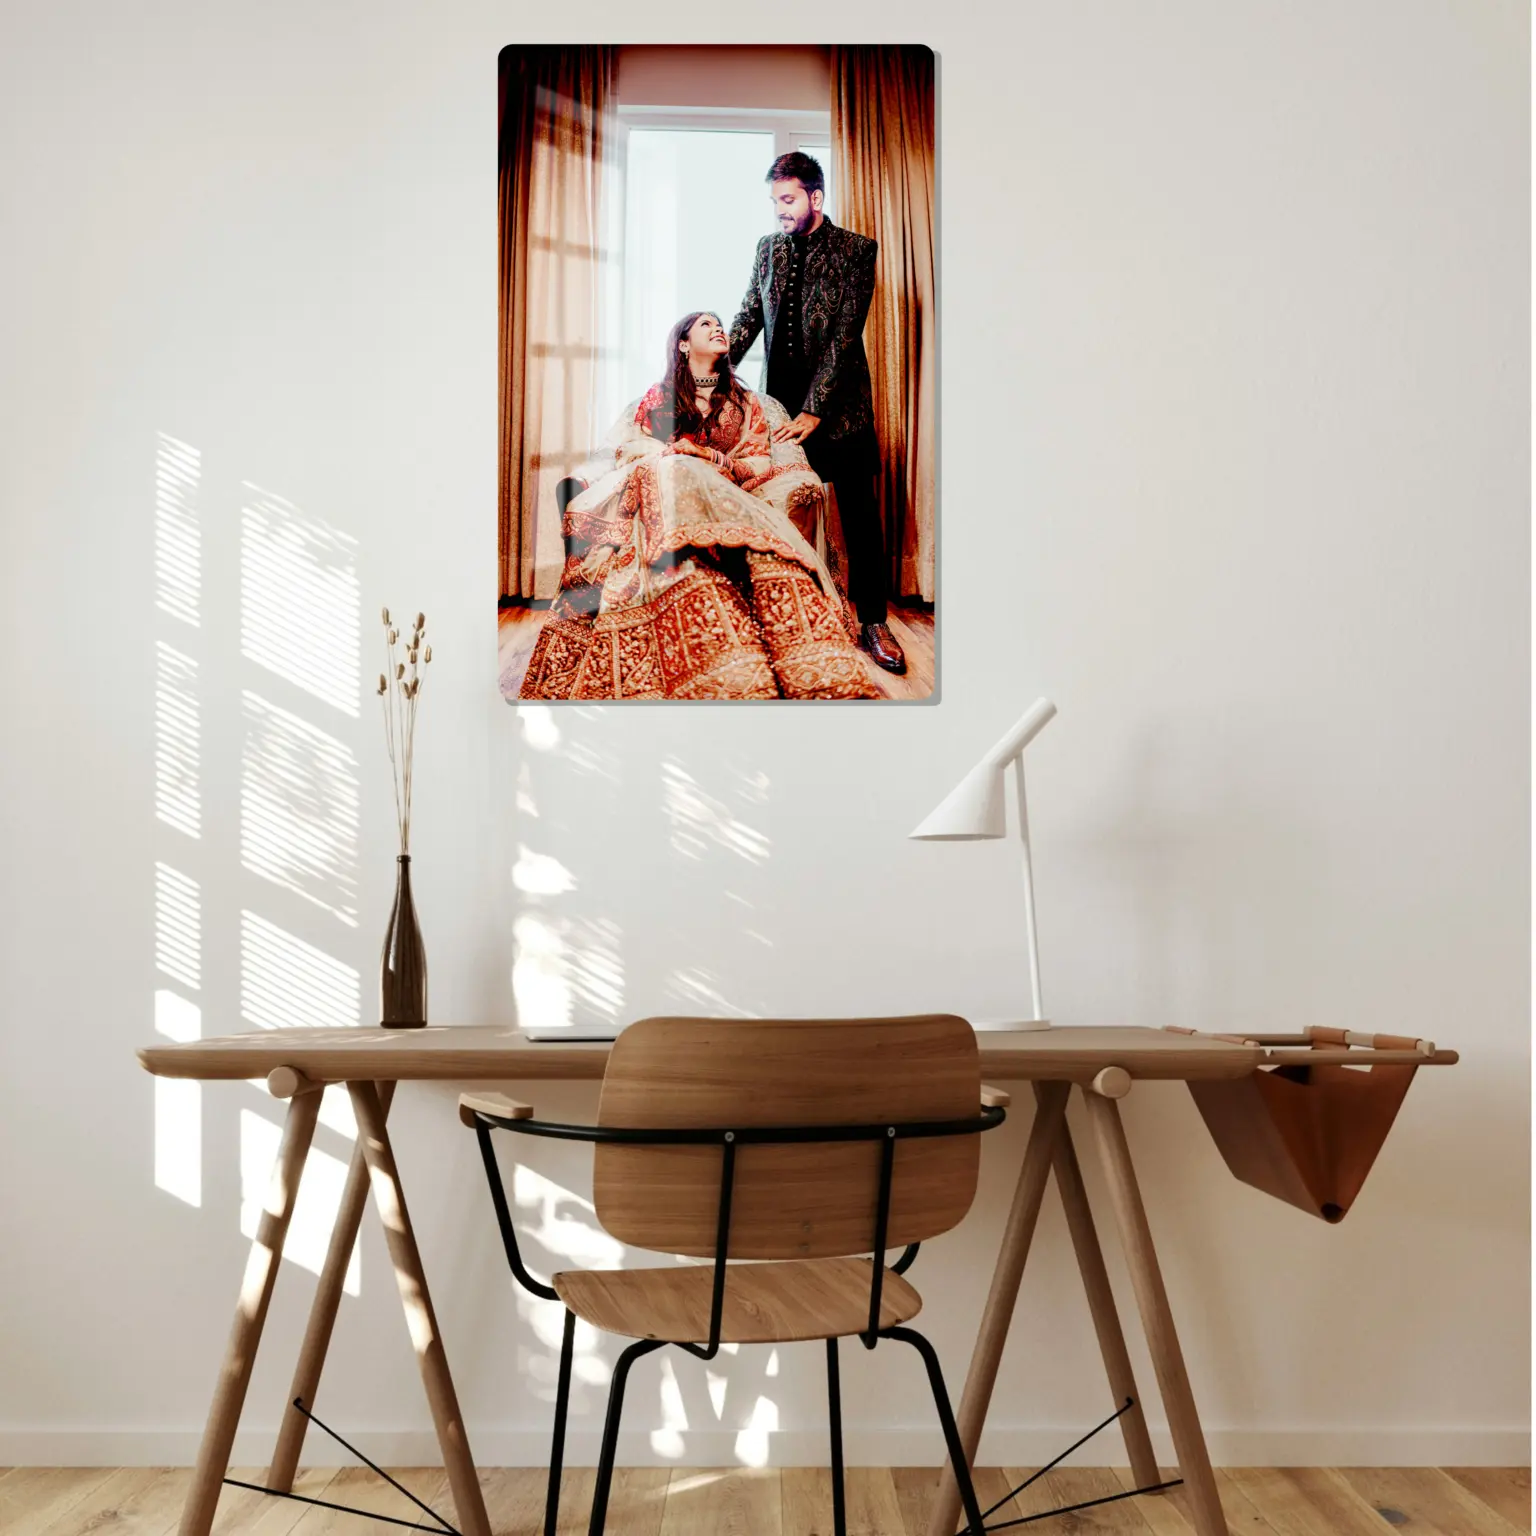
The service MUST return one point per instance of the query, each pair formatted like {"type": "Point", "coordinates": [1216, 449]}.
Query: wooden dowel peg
{"type": "Point", "coordinates": [1327, 1035]}
{"type": "Point", "coordinates": [289, 1082]}
{"type": "Point", "coordinates": [1343, 1056]}
{"type": "Point", "coordinates": [1112, 1083]}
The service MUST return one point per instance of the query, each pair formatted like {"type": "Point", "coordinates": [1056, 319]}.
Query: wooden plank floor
{"type": "Point", "coordinates": [657, 1501]}
{"type": "Point", "coordinates": [517, 628]}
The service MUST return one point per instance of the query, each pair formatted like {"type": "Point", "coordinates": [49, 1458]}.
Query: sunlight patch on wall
{"type": "Point", "coordinates": [299, 604]}
{"type": "Point", "coordinates": [565, 1227]}
{"type": "Point", "coordinates": [299, 808]}
{"type": "Point", "coordinates": [566, 971]}
{"type": "Point", "coordinates": [178, 927]}
{"type": "Point", "coordinates": [525, 800]}
{"type": "Point", "coordinates": [583, 758]}
{"type": "Point", "coordinates": [595, 966]}
{"type": "Point", "coordinates": [540, 989]}
{"type": "Point", "coordinates": [314, 1212]}
{"type": "Point", "coordinates": [176, 1018]}
{"type": "Point", "coordinates": [336, 1111]}
{"type": "Point", "coordinates": [697, 990]}
{"type": "Point", "coordinates": [286, 982]}
{"type": "Point", "coordinates": [179, 1138]}
{"type": "Point", "coordinates": [564, 1224]}
{"type": "Point", "coordinates": [178, 541]}
{"type": "Point", "coordinates": [178, 1106]}
{"type": "Point", "coordinates": [752, 1442]}
{"type": "Point", "coordinates": [540, 874]}
{"type": "Point", "coordinates": [668, 1440]}
{"type": "Point", "coordinates": [178, 1102]}
{"type": "Point", "coordinates": [753, 786]}
{"type": "Point", "coordinates": [539, 729]}
{"type": "Point", "coordinates": [700, 822]}
{"type": "Point", "coordinates": [178, 801]}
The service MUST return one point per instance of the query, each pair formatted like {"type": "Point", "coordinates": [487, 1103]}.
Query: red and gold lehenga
{"type": "Point", "coordinates": [694, 578]}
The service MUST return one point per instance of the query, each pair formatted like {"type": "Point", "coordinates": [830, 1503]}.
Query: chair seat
{"type": "Point", "coordinates": [770, 1303]}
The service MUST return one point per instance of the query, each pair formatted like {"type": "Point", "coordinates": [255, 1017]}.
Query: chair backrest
{"type": "Point", "coordinates": [805, 1200]}
{"type": "Point", "coordinates": [788, 451]}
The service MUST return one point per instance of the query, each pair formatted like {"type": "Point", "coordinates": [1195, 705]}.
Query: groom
{"type": "Point", "coordinates": [811, 287]}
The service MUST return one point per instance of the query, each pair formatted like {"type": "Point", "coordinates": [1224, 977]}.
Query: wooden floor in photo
{"type": "Point", "coordinates": [658, 1501]}
{"type": "Point", "coordinates": [518, 627]}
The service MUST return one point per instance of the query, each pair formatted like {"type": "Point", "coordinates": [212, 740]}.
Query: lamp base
{"type": "Point", "coordinates": [992, 1026]}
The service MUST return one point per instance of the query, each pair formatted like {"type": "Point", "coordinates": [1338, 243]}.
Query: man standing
{"type": "Point", "coordinates": [811, 288]}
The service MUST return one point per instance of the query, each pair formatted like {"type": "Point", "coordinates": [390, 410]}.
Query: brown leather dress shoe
{"type": "Point", "coordinates": [882, 645]}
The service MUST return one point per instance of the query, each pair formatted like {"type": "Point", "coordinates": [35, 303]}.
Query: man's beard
{"type": "Point", "coordinates": [799, 226]}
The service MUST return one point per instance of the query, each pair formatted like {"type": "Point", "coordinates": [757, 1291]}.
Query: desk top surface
{"type": "Point", "coordinates": [500, 1053]}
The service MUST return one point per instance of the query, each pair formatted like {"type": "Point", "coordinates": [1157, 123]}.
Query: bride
{"type": "Point", "coordinates": [686, 575]}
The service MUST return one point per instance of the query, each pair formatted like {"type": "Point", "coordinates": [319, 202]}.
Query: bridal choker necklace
{"type": "Point", "coordinates": [707, 382]}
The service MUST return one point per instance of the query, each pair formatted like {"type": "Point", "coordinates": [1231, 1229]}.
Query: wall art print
{"type": "Point", "coordinates": [717, 365]}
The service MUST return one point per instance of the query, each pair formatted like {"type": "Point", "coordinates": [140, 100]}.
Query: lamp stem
{"type": "Point", "coordinates": [1029, 889]}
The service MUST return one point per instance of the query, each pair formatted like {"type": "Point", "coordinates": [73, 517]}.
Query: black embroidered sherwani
{"type": "Point", "coordinates": [810, 295]}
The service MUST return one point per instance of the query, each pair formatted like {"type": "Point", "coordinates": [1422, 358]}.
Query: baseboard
{"type": "Point", "coordinates": [1015, 1446]}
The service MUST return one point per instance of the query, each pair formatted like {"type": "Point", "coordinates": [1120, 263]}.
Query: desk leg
{"type": "Point", "coordinates": [412, 1280]}
{"type": "Point", "coordinates": [1044, 1136]}
{"type": "Point", "coordinates": [1101, 1303]}
{"type": "Point", "coordinates": [1156, 1316]}
{"type": "Point", "coordinates": [255, 1296]}
{"type": "Point", "coordinates": [322, 1313]}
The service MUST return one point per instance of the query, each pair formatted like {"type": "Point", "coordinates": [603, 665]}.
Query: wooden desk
{"type": "Point", "coordinates": [1103, 1062]}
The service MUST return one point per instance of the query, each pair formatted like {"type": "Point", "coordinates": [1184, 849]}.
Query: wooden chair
{"type": "Point", "coordinates": [800, 1144]}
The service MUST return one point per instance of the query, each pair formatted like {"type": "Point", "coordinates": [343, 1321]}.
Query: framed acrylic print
{"type": "Point", "coordinates": [717, 364]}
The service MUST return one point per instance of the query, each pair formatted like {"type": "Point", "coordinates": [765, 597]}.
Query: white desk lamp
{"type": "Point", "coordinates": [974, 809]}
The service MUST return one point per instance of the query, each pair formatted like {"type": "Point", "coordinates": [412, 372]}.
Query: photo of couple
{"type": "Point", "coordinates": [714, 538]}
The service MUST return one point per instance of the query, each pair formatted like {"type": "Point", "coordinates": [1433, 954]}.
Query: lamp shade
{"type": "Point", "coordinates": [972, 809]}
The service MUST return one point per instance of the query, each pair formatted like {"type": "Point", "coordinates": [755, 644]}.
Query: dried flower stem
{"type": "Point", "coordinates": [399, 693]}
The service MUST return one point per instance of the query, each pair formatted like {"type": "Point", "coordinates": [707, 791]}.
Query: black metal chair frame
{"type": "Point", "coordinates": [729, 1140]}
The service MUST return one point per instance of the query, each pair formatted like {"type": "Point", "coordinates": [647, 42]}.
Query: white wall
{"type": "Point", "coordinates": [1235, 468]}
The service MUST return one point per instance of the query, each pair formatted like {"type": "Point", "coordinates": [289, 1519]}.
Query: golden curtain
{"type": "Point", "coordinates": [883, 136]}
{"type": "Point", "coordinates": [554, 109]}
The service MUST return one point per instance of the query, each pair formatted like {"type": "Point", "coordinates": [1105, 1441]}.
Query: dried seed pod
{"type": "Point", "coordinates": [386, 615]}
{"type": "Point", "coordinates": [421, 621]}
{"type": "Point", "coordinates": [399, 671]}
{"type": "Point", "coordinates": [383, 683]}
{"type": "Point", "coordinates": [394, 635]}
{"type": "Point", "coordinates": [410, 655]}
{"type": "Point", "coordinates": [427, 654]}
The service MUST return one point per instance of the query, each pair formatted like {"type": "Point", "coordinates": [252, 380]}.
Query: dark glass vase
{"type": "Point", "coordinates": [403, 968]}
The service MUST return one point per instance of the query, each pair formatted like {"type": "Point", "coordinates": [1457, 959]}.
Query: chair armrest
{"type": "Point", "coordinates": [497, 1105]}
{"type": "Point", "coordinates": [994, 1098]}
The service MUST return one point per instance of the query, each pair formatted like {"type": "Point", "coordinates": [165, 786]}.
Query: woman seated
{"type": "Point", "coordinates": [686, 576]}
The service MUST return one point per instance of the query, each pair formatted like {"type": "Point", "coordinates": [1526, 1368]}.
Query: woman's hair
{"type": "Point", "coordinates": [678, 415]}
